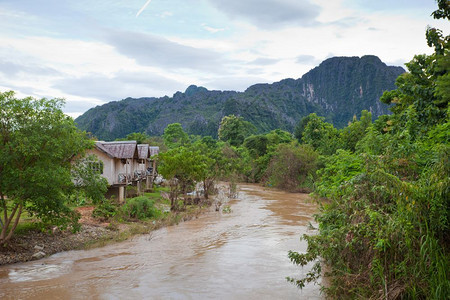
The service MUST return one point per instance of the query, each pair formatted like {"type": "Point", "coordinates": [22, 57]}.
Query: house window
{"type": "Point", "coordinates": [96, 166]}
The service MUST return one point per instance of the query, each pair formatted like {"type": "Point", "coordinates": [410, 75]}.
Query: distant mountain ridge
{"type": "Point", "coordinates": [338, 89]}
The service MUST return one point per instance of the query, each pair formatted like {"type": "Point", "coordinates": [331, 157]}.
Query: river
{"type": "Point", "coordinates": [238, 255]}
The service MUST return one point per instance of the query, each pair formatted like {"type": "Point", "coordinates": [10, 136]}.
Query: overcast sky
{"type": "Point", "coordinates": [93, 52]}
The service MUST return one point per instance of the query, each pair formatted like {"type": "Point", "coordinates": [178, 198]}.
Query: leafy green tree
{"type": "Point", "coordinates": [213, 159]}
{"type": "Point", "coordinates": [301, 125]}
{"type": "Point", "coordinates": [234, 130]}
{"type": "Point", "coordinates": [174, 136]}
{"type": "Point", "coordinates": [87, 178]}
{"type": "Point", "coordinates": [322, 136]}
{"type": "Point", "coordinates": [292, 167]}
{"type": "Point", "coordinates": [183, 167]}
{"type": "Point", "coordinates": [38, 143]}
{"type": "Point", "coordinates": [338, 169]}
{"type": "Point", "coordinates": [261, 148]}
{"type": "Point", "coordinates": [257, 145]}
{"type": "Point", "coordinates": [356, 130]}
{"type": "Point", "coordinates": [426, 87]}
{"type": "Point", "coordinates": [279, 136]}
{"type": "Point", "coordinates": [139, 137]}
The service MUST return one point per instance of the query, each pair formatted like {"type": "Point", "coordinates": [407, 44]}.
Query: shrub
{"type": "Point", "coordinates": [140, 208]}
{"type": "Point", "coordinates": [105, 210]}
{"type": "Point", "coordinates": [292, 167]}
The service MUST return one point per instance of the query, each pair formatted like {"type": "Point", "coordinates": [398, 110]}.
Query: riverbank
{"type": "Point", "coordinates": [35, 244]}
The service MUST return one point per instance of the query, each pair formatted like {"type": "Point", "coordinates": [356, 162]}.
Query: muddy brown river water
{"type": "Point", "coordinates": [240, 255]}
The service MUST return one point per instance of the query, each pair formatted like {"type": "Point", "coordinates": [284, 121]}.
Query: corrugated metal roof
{"type": "Point", "coordinates": [154, 150]}
{"type": "Point", "coordinates": [143, 151]}
{"type": "Point", "coordinates": [119, 149]}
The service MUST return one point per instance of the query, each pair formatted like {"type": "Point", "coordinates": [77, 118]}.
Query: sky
{"type": "Point", "coordinates": [94, 52]}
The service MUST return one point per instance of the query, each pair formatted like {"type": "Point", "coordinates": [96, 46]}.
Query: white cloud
{"type": "Point", "coordinates": [152, 50]}
{"type": "Point", "coordinates": [270, 14]}
{"type": "Point", "coordinates": [122, 85]}
{"type": "Point", "coordinates": [212, 29]}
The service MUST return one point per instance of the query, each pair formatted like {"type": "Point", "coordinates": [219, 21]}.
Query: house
{"type": "Point", "coordinates": [147, 166]}
{"type": "Point", "coordinates": [124, 163]}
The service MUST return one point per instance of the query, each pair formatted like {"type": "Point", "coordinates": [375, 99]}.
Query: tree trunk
{"type": "Point", "coordinates": [5, 235]}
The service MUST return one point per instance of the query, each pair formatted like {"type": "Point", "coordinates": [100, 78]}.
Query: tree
{"type": "Point", "coordinates": [292, 167]}
{"type": "Point", "coordinates": [234, 130]}
{"type": "Point", "coordinates": [256, 145]}
{"type": "Point", "coordinates": [298, 131]}
{"type": "Point", "coordinates": [426, 88]}
{"type": "Point", "coordinates": [183, 167]}
{"type": "Point", "coordinates": [38, 143]}
{"type": "Point", "coordinates": [321, 135]}
{"type": "Point", "coordinates": [139, 137]}
{"type": "Point", "coordinates": [356, 130]}
{"type": "Point", "coordinates": [174, 136]}
{"type": "Point", "coordinates": [213, 159]}
{"type": "Point", "coordinates": [86, 174]}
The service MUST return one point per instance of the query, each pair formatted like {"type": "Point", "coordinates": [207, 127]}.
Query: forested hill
{"type": "Point", "coordinates": [337, 89]}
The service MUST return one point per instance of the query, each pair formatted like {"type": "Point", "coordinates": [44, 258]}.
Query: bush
{"type": "Point", "coordinates": [140, 208]}
{"type": "Point", "coordinates": [292, 167]}
{"type": "Point", "coordinates": [339, 168]}
{"type": "Point", "coordinates": [105, 210]}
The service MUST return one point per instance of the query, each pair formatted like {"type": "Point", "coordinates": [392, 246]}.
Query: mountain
{"type": "Point", "coordinates": [338, 89]}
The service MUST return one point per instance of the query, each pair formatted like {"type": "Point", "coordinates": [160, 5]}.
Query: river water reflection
{"type": "Point", "coordinates": [240, 255]}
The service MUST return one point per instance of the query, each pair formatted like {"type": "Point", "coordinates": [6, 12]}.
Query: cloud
{"type": "Point", "coordinates": [75, 108]}
{"type": "Point", "coordinates": [152, 50]}
{"type": "Point", "coordinates": [121, 85]}
{"type": "Point", "coordinates": [12, 69]}
{"type": "Point", "coordinates": [306, 59]}
{"type": "Point", "coordinates": [212, 29]}
{"type": "Point", "coordinates": [264, 61]}
{"type": "Point", "coordinates": [270, 14]}
{"type": "Point", "coordinates": [383, 5]}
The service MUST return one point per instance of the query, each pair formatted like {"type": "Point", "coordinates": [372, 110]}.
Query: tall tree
{"type": "Point", "coordinates": [37, 145]}
{"type": "Point", "coordinates": [321, 135]}
{"type": "Point", "coordinates": [174, 136]}
{"type": "Point", "coordinates": [234, 129]}
{"type": "Point", "coordinates": [183, 167]}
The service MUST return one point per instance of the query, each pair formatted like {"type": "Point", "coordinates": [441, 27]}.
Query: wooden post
{"type": "Point", "coordinates": [121, 194]}
{"type": "Point", "coordinates": [147, 182]}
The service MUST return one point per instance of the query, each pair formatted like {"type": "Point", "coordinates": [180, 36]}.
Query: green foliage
{"type": "Point", "coordinates": [234, 130]}
{"type": "Point", "coordinates": [139, 137]}
{"type": "Point", "coordinates": [140, 208]}
{"type": "Point", "coordinates": [338, 170]}
{"type": "Point", "coordinates": [38, 143]}
{"type": "Point", "coordinates": [356, 130]}
{"type": "Point", "coordinates": [87, 178]}
{"type": "Point", "coordinates": [105, 210]}
{"type": "Point", "coordinates": [292, 167]}
{"type": "Point", "coordinates": [384, 231]}
{"type": "Point", "coordinates": [183, 166]}
{"type": "Point", "coordinates": [174, 136]}
{"type": "Point", "coordinates": [256, 145]}
{"type": "Point", "coordinates": [301, 125]}
{"type": "Point", "coordinates": [322, 136]}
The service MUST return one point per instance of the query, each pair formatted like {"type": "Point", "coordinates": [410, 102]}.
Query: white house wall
{"type": "Point", "coordinates": [108, 165]}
